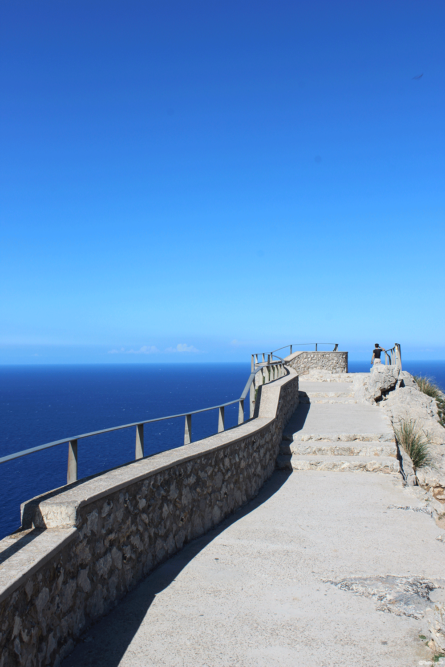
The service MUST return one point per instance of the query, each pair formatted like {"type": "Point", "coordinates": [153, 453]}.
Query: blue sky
{"type": "Point", "coordinates": [195, 181]}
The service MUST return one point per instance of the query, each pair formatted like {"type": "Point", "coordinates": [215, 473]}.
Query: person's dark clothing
{"type": "Point", "coordinates": [377, 352]}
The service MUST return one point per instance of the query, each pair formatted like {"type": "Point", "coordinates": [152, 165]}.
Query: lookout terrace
{"type": "Point", "coordinates": [304, 536]}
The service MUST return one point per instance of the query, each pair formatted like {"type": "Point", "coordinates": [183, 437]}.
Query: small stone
{"type": "Point", "coordinates": [93, 520]}
{"type": "Point", "coordinates": [83, 581]}
{"type": "Point", "coordinates": [17, 626]}
{"type": "Point", "coordinates": [107, 507]}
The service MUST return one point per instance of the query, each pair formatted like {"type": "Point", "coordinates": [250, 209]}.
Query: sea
{"type": "Point", "coordinates": [40, 404]}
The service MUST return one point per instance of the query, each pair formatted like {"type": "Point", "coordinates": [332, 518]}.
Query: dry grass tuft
{"type": "Point", "coordinates": [414, 442]}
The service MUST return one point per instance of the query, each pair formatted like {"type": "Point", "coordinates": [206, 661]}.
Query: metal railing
{"type": "Point", "coordinates": [292, 345]}
{"type": "Point", "coordinates": [274, 370]}
{"type": "Point", "coordinates": [394, 356]}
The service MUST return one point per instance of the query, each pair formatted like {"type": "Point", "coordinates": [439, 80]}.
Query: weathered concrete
{"type": "Point", "coordinates": [363, 420]}
{"type": "Point", "coordinates": [321, 387]}
{"type": "Point", "coordinates": [291, 580]}
{"type": "Point", "coordinates": [324, 419]}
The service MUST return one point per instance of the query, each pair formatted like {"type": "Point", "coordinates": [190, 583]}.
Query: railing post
{"type": "Point", "coordinates": [221, 419]}
{"type": "Point", "coordinates": [398, 355]}
{"type": "Point", "coordinates": [290, 346]}
{"type": "Point", "coordinates": [264, 357]}
{"type": "Point", "coordinates": [316, 347]}
{"type": "Point", "coordinates": [139, 450]}
{"type": "Point", "coordinates": [188, 430]}
{"type": "Point", "coordinates": [241, 412]}
{"type": "Point", "coordinates": [252, 392]}
{"type": "Point", "coordinates": [71, 475]}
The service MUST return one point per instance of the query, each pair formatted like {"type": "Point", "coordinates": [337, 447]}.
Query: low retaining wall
{"type": "Point", "coordinates": [94, 540]}
{"type": "Point", "coordinates": [304, 362]}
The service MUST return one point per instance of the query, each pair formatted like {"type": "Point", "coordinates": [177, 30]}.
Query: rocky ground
{"type": "Point", "coordinates": [397, 393]}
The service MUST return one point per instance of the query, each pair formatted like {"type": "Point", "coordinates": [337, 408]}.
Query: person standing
{"type": "Point", "coordinates": [377, 351]}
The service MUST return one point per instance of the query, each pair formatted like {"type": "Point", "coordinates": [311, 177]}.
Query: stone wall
{"type": "Point", "coordinates": [304, 362]}
{"type": "Point", "coordinates": [94, 540]}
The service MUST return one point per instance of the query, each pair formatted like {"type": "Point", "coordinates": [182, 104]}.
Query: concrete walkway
{"type": "Point", "coordinates": [256, 592]}
{"type": "Point", "coordinates": [322, 569]}
{"type": "Point", "coordinates": [330, 431]}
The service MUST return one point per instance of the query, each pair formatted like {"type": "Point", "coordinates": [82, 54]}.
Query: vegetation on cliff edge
{"type": "Point", "coordinates": [410, 436]}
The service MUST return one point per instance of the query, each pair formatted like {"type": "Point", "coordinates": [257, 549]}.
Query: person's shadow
{"type": "Point", "coordinates": [105, 643]}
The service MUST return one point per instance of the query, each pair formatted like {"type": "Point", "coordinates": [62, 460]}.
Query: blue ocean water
{"type": "Point", "coordinates": [39, 404]}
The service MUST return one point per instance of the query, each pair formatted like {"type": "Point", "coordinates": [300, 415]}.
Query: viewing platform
{"type": "Point", "coordinates": [297, 537]}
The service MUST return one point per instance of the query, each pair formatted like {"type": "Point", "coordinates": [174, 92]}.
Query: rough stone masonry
{"type": "Point", "coordinates": [304, 362]}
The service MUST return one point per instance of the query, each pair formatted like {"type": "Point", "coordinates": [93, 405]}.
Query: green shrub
{"type": "Point", "coordinates": [430, 388]}
{"type": "Point", "coordinates": [414, 442]}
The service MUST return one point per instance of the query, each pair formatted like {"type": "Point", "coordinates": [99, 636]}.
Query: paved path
{"type": "Point", "coordinates": [338, 418]}
{"type": "Point", "coordinates": [254, 593]}
{"type": "Point", "coordinates": [330, 431]}
{"type": "Point", "coordinates": [260, 590]}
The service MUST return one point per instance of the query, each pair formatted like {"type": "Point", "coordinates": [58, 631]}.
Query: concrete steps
{"type": "Point", "coordinates": [326, 397]}
{"type": "Point", "coordinates": [339, 437]}
{"type": "Point", "coordinates": [303, 395]}
{"type": "Point", "coordinates": [344, 401]}
{"type": "Point", "coordinates": [327, 448]}
{"type": "Point", "coordinates": [381, 464]}
{"type": "Point", "coordinates": [332, 431]}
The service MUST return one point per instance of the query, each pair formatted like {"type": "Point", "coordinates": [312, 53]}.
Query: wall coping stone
{"type": "Point", "coordinates": [40, 548]}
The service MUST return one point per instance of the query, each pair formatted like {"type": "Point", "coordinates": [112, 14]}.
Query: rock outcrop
{"type": "Point", "coordinates": [373, 387]}
{"type": "Point", "coordinates": [397, 393]}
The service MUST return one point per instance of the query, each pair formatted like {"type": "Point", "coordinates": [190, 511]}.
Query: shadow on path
{"type": "Point", "coordinates": [298, 419]}
{"type": "Point", "coordinates": [105, 643]}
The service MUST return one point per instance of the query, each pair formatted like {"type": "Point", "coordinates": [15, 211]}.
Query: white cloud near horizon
{"type": "Point", "coordinates": [145, 349]}
{"type": "Point", "coordinates": [182, 347]}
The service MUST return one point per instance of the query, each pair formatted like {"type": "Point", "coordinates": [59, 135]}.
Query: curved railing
{"type": "Point", "coordinates": [272, 354]}
{"type": "Point", "coordinates": [394, 356]}
{"type": "Point", "coordinates": [274, 369]}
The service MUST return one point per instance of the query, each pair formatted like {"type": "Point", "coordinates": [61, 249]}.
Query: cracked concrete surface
{"type": "Point", "coordinates": [255, 591]}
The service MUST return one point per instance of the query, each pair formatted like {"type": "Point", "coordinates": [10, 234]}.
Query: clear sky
{"type": "Point", "coordinates": [199, 180]}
